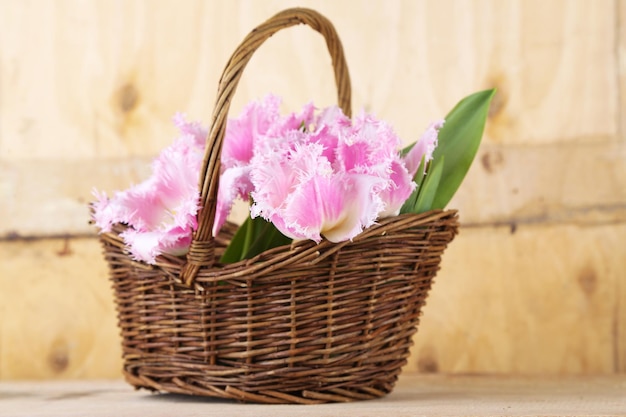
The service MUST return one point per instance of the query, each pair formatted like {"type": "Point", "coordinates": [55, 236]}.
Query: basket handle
{"type": "Point", "coordinates": [201, 251]}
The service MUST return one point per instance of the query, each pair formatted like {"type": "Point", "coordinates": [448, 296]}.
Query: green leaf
{"type": "Point", "coordinates": [406, 150]}
{"type": "Point", "coordinates": [266, 236]}
{"type": "Point", "coordinates": [459, 139]}
{"type": "Point", "coordinates": [430, 187]}
{"type": "Point", "coordinates": [253, 237]}
{"type": "Point", "coordinates": [235, 249]}
{"type": "Point", "coordinates": [420, 175]}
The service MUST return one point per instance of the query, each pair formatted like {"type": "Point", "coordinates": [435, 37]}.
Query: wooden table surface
{"type": "Point", "coordinates": [415, 395]}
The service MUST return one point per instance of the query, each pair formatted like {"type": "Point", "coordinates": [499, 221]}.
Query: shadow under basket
{"type": "Point", "coordinates": [306, 323]}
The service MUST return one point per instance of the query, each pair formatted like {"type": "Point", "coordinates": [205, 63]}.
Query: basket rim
{"type": "Point", "coordinates": [298, 251]}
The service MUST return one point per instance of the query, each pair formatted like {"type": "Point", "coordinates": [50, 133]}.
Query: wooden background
{"type": "Point", "coordinates": [533, 284]}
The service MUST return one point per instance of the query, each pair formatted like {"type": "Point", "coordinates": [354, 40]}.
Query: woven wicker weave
{"type": "Point", "coordinates": [306, 323]}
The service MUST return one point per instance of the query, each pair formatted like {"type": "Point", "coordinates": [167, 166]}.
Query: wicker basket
{"type": "Point", "coordinates": [305, 323]}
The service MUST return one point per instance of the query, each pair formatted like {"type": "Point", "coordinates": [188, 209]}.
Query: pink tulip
{"type": "Point", "coordinates": [192, 130]}
{"type": "Point", "coordinates": [424, 148]}
{"type": "Point", "coordinates": [337, 207]}
{"type": "Point", "coordinates": [399, 188]}
{"type": "Point", "coordinates": [370, 146]}
{"type": "Point", "coordinates": [305, 199]}
{"type": "Point", "coordinates": [160, 212]}
{"type": "Point", "coordinates": [244, 133]}
{"type": "Point", "coordinates": [234, 183]}
{"type": "Point", "coordinates": [259, 126]}
{"type": "Point", "coordinates": [313, 176]}
{"type": "Point", "coordinates": [332, 182]}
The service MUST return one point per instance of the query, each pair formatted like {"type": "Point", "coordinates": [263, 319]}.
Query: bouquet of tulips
{"type": "Point", "coordinates": [316, 174]}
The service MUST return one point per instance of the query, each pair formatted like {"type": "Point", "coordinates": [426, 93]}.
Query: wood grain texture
{"type": "Point", "coordinates": [115, 72]}
{"type": "Point", "coordinates": [59, 193]}
{"type": "Point", "coordinates": [621, 60]}
{"type": "Point", "coordinates": [620, 324]}
{"type": "Point", "coordinates": [57, 316]}
{"type": "Point", "coordinates": [531, 299]}
{"type": "Point", "coordinates": [88, 89]}
{"type": "Point", "coordinates": [415, 395]}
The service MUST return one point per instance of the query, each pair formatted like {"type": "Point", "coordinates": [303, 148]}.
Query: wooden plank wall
{"type": "Point", "coordinates": [533, 284]}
